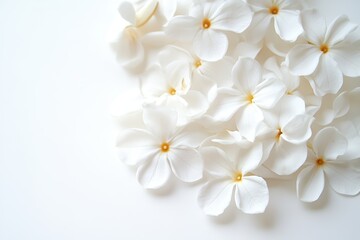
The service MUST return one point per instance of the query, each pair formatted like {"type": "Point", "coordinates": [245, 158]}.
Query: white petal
{"type": "Point", "coordinates": [232, 16]}
{"type": "Point", "coordinates": [137, 156]}
{"type": "Point", "coordinates": [298, 129]}
{"type": "Point", "coordinates": [154, 173]}
{"type": "Point", "coordinates": [259, 26]}
{"type": "Point", "coordinates": [129, 49]}
{"type": "Point", "coordinates": [277, 45]}
{"type": "Point", "coordinates": [146, 11]}
{"type": "Point", "coordinates": [192, 135]}
{"type": "Point", "coordinates": [329, 143]}
{"type": "Point", "coordinates": [338, 30]}
{"type": "Point", "coordinates": [268, 93]}
{"type": "Point", "coordinates": [347, 56]}
{"type": "Point", "coordinates": [154, 82]}
{"type": "Point", "coordinates": [287, 25]}
{"type": "Point", "coordinates": [210, 45]}
{"type": "Point", "coordinates": [136, 146]}
{"type": "Point", "coordinates": [215, 196]}
{"type": "Point", "coordinates": [226, 104]}
{"type": "Point", "coordinates": [216, 163]}
{"type": "Point", "coordinates": [314, 26]}
{"type": "Point", "coordinates": [135, 138]}
{"type": "Point", "coordinates": [219, 71]}
{"type": "Point", "coordinates": [327, 78]}
{"type": "Point", "coordinates": [343, 178]}
{"type": "Point", "coordinates": [167, 8]}
{"type": "Point", "coordinates": [246, 74]}
{"type": "Point", "coordinates": [303, 59]}
{"type": "Point", "coordinates": [252, 195]}
{"type": "Point", "coordinates": [341, 105]}
{"type": "Point", "coordinates": [286, 157]}
{"type": "Point", "coordinates": [182, 28]}
{"type": "Point", "coordinates": [348, 129]}
{"type": "Point", "coordinates": [248, 121]}
{"type": "Point", "coordinates": [127, 12]}
{"type": "Point", "coordinates": [186, 164]}
{"type": "Point", "coordinates": [161, 122]}
{"type": "Point", "coordinates": [197, 103]}
{"type": "Point", "coordinates": [310, 184]}
{"type": "Point", "coordinates": [260, 3]}
{"type": "Point", "coordinates": [288, 107]}
{"type": "Point", "coordinates": [249, 158]}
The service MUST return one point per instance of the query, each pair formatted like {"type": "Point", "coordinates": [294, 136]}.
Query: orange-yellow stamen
{"type": "Point", "coordinates": [198, 63]}
{"type": "Point", "coordinates": [165, 147]}
{"type": "Point", "coordinates": [320, 161]}
{"type": "Point", "coordinates": [324, 48]}
{"type": "Point", "coordinates": [274, 10]}
{"type": "Point", "coordinates": [172, 91]}
{"type": "Point", "coordinates": [250, 98]}
{"type": "Point", "coordinates": [206, 23]}
{"type": "Point", "coordinates": [238, 177]}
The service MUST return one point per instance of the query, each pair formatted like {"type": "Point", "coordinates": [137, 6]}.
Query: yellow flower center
{"type": "Point", "coordinates": [320, 161]}
{"type": "Point", "coordinates": [206, 23]}
{"type": "Point", "coordinates": [198, 63]}
{"type": "Point", "coordinates": [274, 10]}
{"type": "Point", "coordinates": [237, 177]}
{"type": "Point", "coordinates": [250, 98]}
{"type": "Point", "coordinates": [165, 147]}
{"type": "Point", "coordinates": [324, 48]}
{"type": "Point", "coordinates": [172, 91]}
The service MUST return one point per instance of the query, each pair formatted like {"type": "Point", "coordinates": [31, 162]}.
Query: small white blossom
{"type": "Point", "coordinates": [251, 192]}
{"type": "Point", "coordinates": [330, 52]}
{"type": "Point", "coordinates": [162, 148]}
{"type": "Point", "coordinates": [207, 24]}
{"type": "Point", "coordinates": [250, 95]}
{"type": "Point", "coordinates": [326, 161]}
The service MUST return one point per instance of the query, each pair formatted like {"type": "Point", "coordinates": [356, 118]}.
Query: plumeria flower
{"type": "Point", "coordinates": [129, 47]}
{"type": "Point", "coordinates": [289, 129]}
{"type": "Point", "coordinates": [170, 86]}
{"type": "Point", "coordinates": [330, 51]}
{"type": "Point", "coordinates": [284, 15]}
{"type": "Point", "coordinates": [250, 95]}
{"type": "Point", "coordinates": [162, 148]}
{"type": "Point", "coordinates": [326, 161]}
{"type": "Point", "coordinates": [225, 175]}
{"type": "Point", "coordinates": [207, 24]}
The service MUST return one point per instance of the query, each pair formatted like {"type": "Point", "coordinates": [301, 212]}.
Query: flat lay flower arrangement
{"type": "Point", "coordinates": [234, 93]}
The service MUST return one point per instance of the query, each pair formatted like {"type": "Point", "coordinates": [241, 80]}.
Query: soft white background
{"type": "Point", "coordinates": [59, 173]}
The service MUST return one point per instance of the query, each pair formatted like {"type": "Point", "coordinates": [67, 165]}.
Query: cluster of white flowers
{"type": "Point", "coordinates": [234, 92]}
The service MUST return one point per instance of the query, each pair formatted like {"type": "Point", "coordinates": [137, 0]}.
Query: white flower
{"type": "Point", "coordinates": [329, 52]}
{"type": "Point", "coordinates": [207, 24]}
{"type": "Point", "coordinates": [129, 46]}
{"type": "Point", "coordinates": [218, 72]}
{"type": "Point", "coordinates": [303, 91]}
{"type": "Point", "coordinates": [289, 129]}
{"type": "Point", "coordinates": [248, 98]}
{"type": "Point", "coordinates": [169, 86]}
{"type": "Point", "coordinates": [283, 13]}
{"type": "Point", "coordinates": [161, 149]}
{"type": "Point", "coordinates": [251, 192]}
{"type": "Point", "coordinates": [326, 161]}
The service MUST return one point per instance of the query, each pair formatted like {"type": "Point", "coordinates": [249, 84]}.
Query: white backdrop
{"type": "Point", "coordinates": [59, 174]}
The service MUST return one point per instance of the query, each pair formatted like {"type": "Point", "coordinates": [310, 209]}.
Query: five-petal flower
{"type": "Point", "coordinates": [162, 148]}
{"type": "Point", "coordinates": [207, 24]}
